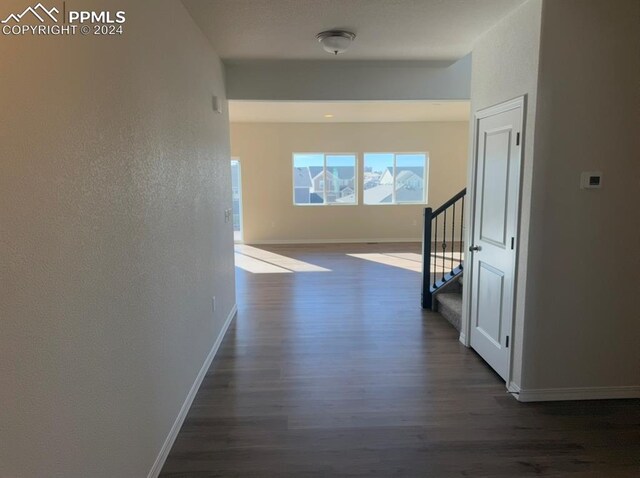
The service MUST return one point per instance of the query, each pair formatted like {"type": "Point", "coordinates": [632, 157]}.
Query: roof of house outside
{"type": "Point", "coordinates": [315, 198]}
{"type": "Point", "coordinates": [343, 172]}
{"type": "Point", "coordinates": [409, 195]}
{"type": "Point", "coordinates": [405, 174]}
{"type": "Point", "coordinates": [378, 194]}
{"type": "Point", "coordinates": [301, 178]}
{"type": "Point", "coordinates": [417, 170]}
{"type": "Point", "coordinates": [384, 194]}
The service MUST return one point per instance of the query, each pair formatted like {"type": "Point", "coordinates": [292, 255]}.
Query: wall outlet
{"type": "Point", "coordinates": [213, 304]}
{"type": "Point", "coordinates": [415, 222]}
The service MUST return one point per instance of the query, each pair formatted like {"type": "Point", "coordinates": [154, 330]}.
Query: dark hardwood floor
{"type": "Point", "coordinates": [340, 373]}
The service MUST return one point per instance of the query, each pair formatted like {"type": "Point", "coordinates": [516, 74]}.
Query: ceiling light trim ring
{"type": "Point", "coordinates": [335, 41]}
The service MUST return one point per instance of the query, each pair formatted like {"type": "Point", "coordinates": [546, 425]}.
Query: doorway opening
{"type": "Point", "coordinates": [236, 190]}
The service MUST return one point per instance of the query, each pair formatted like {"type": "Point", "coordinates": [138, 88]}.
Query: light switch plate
{"type": "Point", "coordinates": [215, 103]}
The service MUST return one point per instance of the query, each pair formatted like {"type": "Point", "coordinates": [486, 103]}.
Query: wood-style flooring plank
{"type": "Point", "coordinates": [336, 371]}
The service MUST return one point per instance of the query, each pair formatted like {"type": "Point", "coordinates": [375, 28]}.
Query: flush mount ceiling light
{"type": "Point", "coordinates": [335, 41]}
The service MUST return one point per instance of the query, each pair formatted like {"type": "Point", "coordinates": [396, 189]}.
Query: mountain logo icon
{"type": "Point", "coordinates": [39, 11]}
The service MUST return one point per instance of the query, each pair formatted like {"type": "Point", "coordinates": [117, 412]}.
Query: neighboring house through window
{"type": "Point", "coordinates": [321, 179]}
{"type": "Point", "coordinates": [395, 178]}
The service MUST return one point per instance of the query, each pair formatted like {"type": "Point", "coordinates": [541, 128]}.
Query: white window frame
{"type": "Point", "coordinates": [356, 179]}
{"type": "Point", "coordinates": [393, 202]}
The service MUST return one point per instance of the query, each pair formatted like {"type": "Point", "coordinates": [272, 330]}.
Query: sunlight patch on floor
{"type": "Point", "coordinates": [256, 266]}
{"type": "Point", "coordinates": [445, 262]}
{"type": "Point", "coordinates": [412, 261]}
{"type": "Point", "coordinates": [457, 256]}
{"type": "Point", "coordinates": [409, 256]}
{"type": "Point", "coordinates": [259, 261]}
{"type": "Point", "coordinates": [389, 260]}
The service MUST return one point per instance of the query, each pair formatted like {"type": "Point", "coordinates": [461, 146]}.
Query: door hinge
{"type": "Point", "coordinates": [513, 242]}
{"type": "Point", "coordinates": [518, 138]}
{"type": "Point", "coordinates": [507, 345]}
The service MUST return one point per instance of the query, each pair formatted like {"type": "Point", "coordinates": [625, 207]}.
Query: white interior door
{"type": "Point", "coordinates": [495, 223]}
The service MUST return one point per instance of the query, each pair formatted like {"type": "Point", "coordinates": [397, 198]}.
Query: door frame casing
{"type": "Point", "coordinates": [465, 329]}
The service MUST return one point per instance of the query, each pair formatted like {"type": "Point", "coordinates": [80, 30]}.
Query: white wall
{"type": "Point", "coordinates": [114, 177]}
{"type": "Point", "coordinates": [505, 66]}
{"type": "Point", "coordinates": [577, 322]}
{"type": "Point", "coordinates": [583, 295]}
{"type": "Point", "coordinates": [265, 151]}
{"type": "Point", "coordinates": [348, 80]}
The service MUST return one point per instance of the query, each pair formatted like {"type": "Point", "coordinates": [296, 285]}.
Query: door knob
{"type": "Point", "coordinates": [475, 248]}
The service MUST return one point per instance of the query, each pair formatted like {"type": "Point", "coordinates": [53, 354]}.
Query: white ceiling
{"type": "Point", "coordinates": [347, 111]}
{"type": "Point", "coordinates": [386, 29]}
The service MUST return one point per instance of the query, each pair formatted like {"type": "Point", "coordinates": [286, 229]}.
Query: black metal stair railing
{"type": "Point", "coordinates": [442, 246]}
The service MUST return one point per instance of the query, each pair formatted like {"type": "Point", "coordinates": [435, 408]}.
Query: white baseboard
{"type": "Point", "coordinates": [173, 433]}
{"type": "Point", "coordinates": [463, 339]}
{"type": "Point", "coordinates": [583, 393]}
{"type": "Point", "coordinates": [330, 241]}
{"type": "Point", "coordinates": [513, 389]}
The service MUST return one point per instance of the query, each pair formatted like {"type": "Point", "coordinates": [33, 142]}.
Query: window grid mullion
{"type": "Point", "coordinates": [424, 179]}
{"type": "Point", "coordinates": [324, 182]}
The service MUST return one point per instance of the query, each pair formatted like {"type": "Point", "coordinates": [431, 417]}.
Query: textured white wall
{"type": "Point", "coordinates": [114, 177]}
{"type": "Point", "coordinates": [265, 151]}
{"type": "Point", "coordinates": [505, 66]}
{"type": "Point", "coordinates": [577, 322]}
{"type": "Point", "coordinates": [583, 295]}
{"type": "Point", "coordinates": [348, 80]}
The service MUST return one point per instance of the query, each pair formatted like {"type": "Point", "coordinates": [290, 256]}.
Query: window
{"type": "Point", "coordinates": [395, 178]}
{"type": "Point", "coordinates": [322, 179]}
